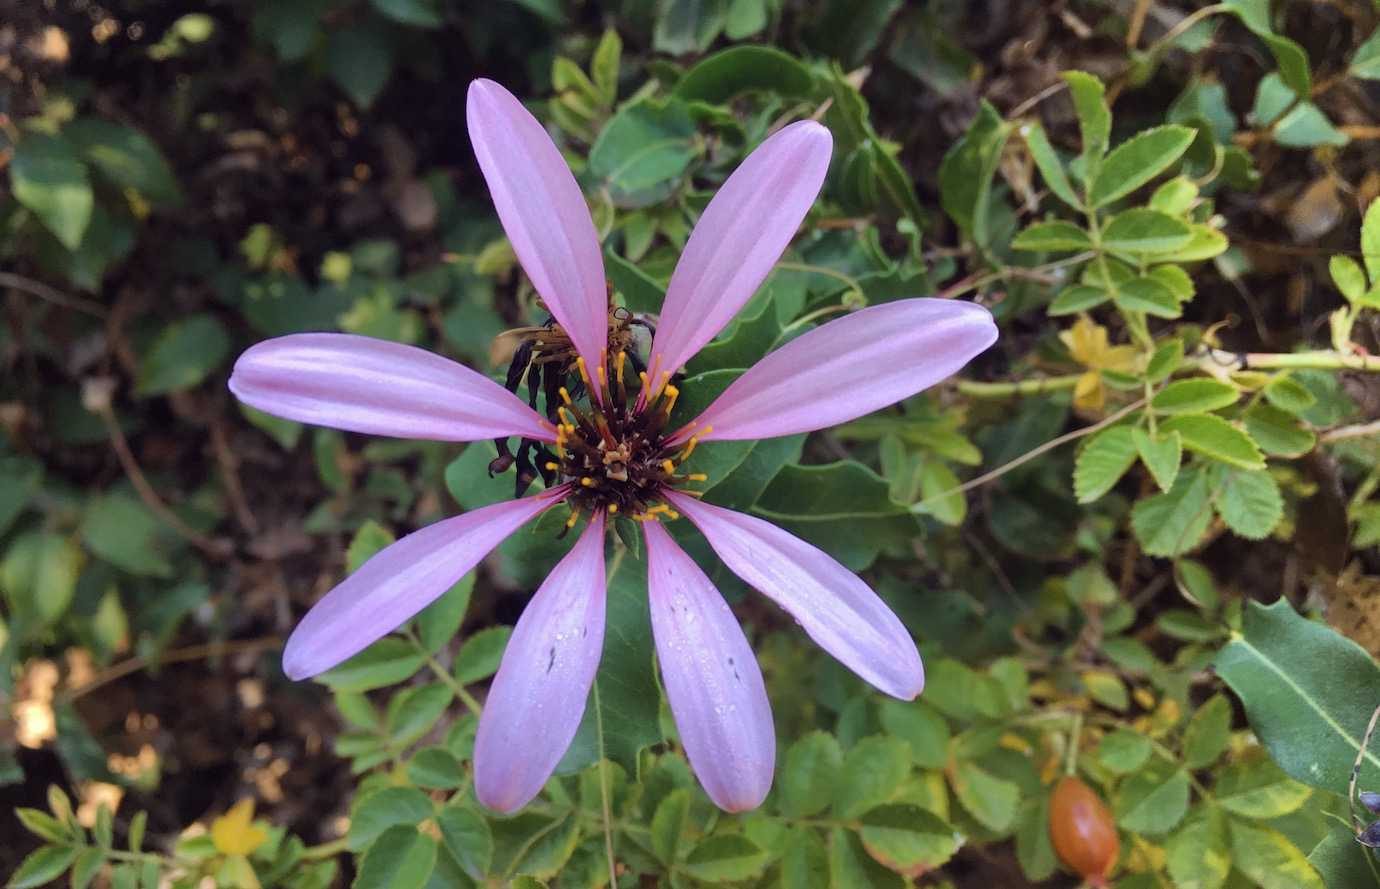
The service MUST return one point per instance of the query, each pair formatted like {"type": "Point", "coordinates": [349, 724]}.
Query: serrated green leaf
{"type": "Point", "coordinates": [1102, 462]}
{"type": "Point", "coordinates": [1166, 359]}
{"type": "Point", "coordinates": [1208, 732]}
{"type": "Point", "coordinates": [1370, 241]}
{"type": "Point", "coordinates": [916, 723]}
{"type": "Point", "coordinates": [1197, 855]}
{"type": "Point", "coordinates": [1149, 295]}
{"type": "Point", "coordinates": [1123, 751]}
{"type": "Point", "coordinates": [1050, 166]}
{"type": "Point", "coordinates": [1195, 396]}
{"type": "Point", "coordinates": [480, 654]}
{"type": "Point", "coordinates": [185, 353]}
{"type": "Point", "coordinates": [965, 175]}
{"type": "Point", "coordinates": [414, 711]}
{"type": "Point", "coordinates": [1269, 859]}
{"type": "Point", "coordinates": [1175, 197]}
{"type": "Point", "coordinates": [992, 801]}
{"type": "Point", "coordinates": [669, 823]}
{"type": "Point", "coordinates": [1249, 503]}
{"type": "Point", "coordinates": [1077, 298]}
{"type": "Point", "coordinates": [401, 858]}
{"type": "Point", "coordinates": [1162, 455]}
{"type": "Point", "coordinates": [1215, 438]}
{"type": "Point", "coordinates": [1152, 801]}
{"type": "Point", "coordinates": [39, 575]}
{"type": "Point", "coordinates": [725, 857]}
{"type": "Point", "coordinates": [1142, 230]}
{"type": "Point", "coordinates": [42, 866]}
{"type": "Point", "coordinates": [1289, 56]}
{"type": "Point", "coordinates": [1172, 523]}
{"type": "Point", "coordinates": [1278, 432]}
{"type": "Point", "coordinates": [1094, 117]}
{"type": "Point", "coordinates": [1138, 160]}
{"type": "Point", "coordinates": [872, 771]}
{"type": "Point", "coordinates": [904, 837]}
{"type": "Point", "coordinates": [387, 662]}
{"type": "Point", "coordinates": [1256, 788]}
{"type": "Point", "coordinates": [1347, 275]}
{"type": "Point", "coordinates": [1051, 236]}
{"type": "Point", "coordinates": [810, 774]}
{"type": "Point", "coordinates": [376, 812]}
{"type": "Point", "coordinates": [467, 838]}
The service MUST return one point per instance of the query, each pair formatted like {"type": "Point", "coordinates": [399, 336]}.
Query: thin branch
{"type": "Point", "coordinates": [1343, 433]}
{"type": "Point", "coordinates": [51, 294]}
{"type": "Point", "coordinates": [177, 655]}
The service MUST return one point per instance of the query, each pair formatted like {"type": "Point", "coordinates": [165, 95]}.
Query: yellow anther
{"type": "Point", "coordinates": [697, 477]}
{"type": "Point", "coordinates": [565, 395]}
{"type": "Point", "coordinates": [642, 375]}
{"type": "Point", "coordinates": [689, 448]}
{"type": "Point", "coordinates": [671, 393]}
{"type": "Point", "coordinates": [613, 509]}
{"type": "Point", "coordinates": [552, 466]}
{"type": "Point", "coordinates": [586, 482]}
{"type": "Point", "coordinates": [574, 517]}
{"type": "Point", "coordinates": [584, 374]}
{"type": "Point", "coordinates": [603, 377]}
{"type": "Point", "coordinates": [705, 431]}
{"type": "Point", "coordinates": [671, 514]}
{"type": "Point", "coordinates": [622, 356]}
{"type": "Point", "coordinates": [668, 467]}
{"type": "Point", "coordinates": [560, 412]}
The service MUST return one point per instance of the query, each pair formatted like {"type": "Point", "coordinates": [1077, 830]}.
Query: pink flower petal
{"type": "Point", "coordinates": [538, 697]}
{"type": "Point", "coordinates": [738, 239]}
{"type": "Point", "coordinates": [544, 213]}
{"type": "Point", "coordinates": [711, 677]}
{"type": "Point", "coordinates": [830, 603]}
{"type": "Point", "coordinates": [366, 385]}
{"type": "Point", "coordinates": [849, 367]}
{"type": "Point", "coordinates": [400, 581]}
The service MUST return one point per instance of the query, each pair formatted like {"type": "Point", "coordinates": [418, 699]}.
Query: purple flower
{"type": "Point", "coordinates": [616, 455]}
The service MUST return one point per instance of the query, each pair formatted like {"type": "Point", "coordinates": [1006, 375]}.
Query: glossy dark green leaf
{"type": "Point", "coordinates": [127, 158]}
{"type": "Point", "coordinates": [49, 178]}
{"type": "Point", "coordinates": [740, 69]}
{"type": "Point", "coordinates": [183, 355]}
{"type": "Point", "coordinates": [643, 151]}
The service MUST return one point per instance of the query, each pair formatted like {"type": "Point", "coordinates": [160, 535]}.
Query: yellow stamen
{"type": "Point", "coordinates": [584, 374]}
{"type": "Point", "coordinates": [668, 466]}
{"type": "Point", "coordinates": [697, 477]}
{"type": "Point", "coordinates": [689, 448]}
{"type": "Point", "coordinates": [587, 482]}
{"type": "Point", "coordinates": [672, 514]}
{"type": "Point", "coordinates": [671, 393]}
{"type": "Point", "coordinates": [552, 466]}
{"type": "Point", "coordinates": [613, 509]}
{"type": "Point", "coordinates": [622, 356]}
{"type": "Point", "coordinates": [565, 395]}
{"type": "Point", "coordinates": [574, 517]}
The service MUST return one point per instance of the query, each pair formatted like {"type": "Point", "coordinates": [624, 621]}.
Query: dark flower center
{"type": "Point", "coordinates": [615, 452]}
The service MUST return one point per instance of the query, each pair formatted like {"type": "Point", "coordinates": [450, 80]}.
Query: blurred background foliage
{"type": "Point", "coordinates": [1163, 204]}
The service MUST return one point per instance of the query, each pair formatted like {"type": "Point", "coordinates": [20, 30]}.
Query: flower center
{"type": "Point", "coordinates": [615, 452]}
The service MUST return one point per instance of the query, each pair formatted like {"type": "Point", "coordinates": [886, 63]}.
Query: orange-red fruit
{"type": "Point", "coordinates": [1082, 830]}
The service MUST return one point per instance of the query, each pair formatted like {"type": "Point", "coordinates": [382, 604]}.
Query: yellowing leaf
{"type": "Point", "coordinates": [235, 833]}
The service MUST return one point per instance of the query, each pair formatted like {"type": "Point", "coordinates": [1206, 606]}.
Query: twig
{"type": "Point", "coordinates": [1031, 455]}
{"type": "Point", "coordinates": [177, 655]}
{"type": "Point", "coordinates": [230, 475]}
{"type": "Point", "coordinates": [1024, 107]}
{"type": "Point", "coordinates": [51, 294]}
{"type": "Point", "coordinates": [218, 549]}
{"type": "Point", "coordinates": [1342, 433]}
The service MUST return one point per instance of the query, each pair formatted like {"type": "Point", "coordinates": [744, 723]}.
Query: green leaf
{"type": "Point", "coordinates": [1050, 166]}
{"type": "Point", "coordinates": [872, 771]}
{"type": "Point", "coordinates": [1166, 359]}
{"type": "Point", "coordinates": [127, 158]}
{"type": "Point", "coordinates": [1077, 298]}
{"type": "Point", "coordinates": [1141, 230]}
{"type": "Point", "coordinates": [183, 355]}
{"type": "Point", "coordinates": [402, 858]}
{"type": "Point", "coordinates": [1279, 433]}
{"type": "Point", "coordinates": [1308, 693]}
{"type": "Point", "coordinates": [965, 175]}
{"type": "Point", "coordinates": [1172, 523]}
{"type": "Point", "coordinates": [1206, 243]}
{"type": "Point", "coordinates": [640, 292]}
{"type": "Point", "coordinates": [643, 152]}
{"type": "Point", "coordinates": [936, 480]}
{"type": "Point", "coordinates": [1094, 117]}
{"type": "Point", "coordinates": [1123, 751]}
{"type": "Point", "coordinates": [42, 866]}
{"type": "Point", "coordinates": [435, 767]}
{"type": "Point", "coordinates": [850, 865]}
{"type": "Point", "coordinates": [85, 868]}
{"type": "Point", "coordinates": [121, 530]}
{"type": "Point", "coordinates": [419, 13]}
{"type": "Point", "coordinates": [1289, 56]}
{"type": "Point", "coordinates": [1152, 801]}
{"type": "Point", "coordinates": [1365, 62]}
{"type": "Point", "coordinates": [1307, 126]}
{"type": "Point", "coordinates": [387, 662]}
{"type": "Point", "coordinates": [916, 723]}
{"type": "Point", "coordinates": [845, 508]}
{"type": "Point", "coordinates": [725, 858]}
{"type": "Point", "coordinates": [480, 654]}
{"type": "Point", "coordinates": [1347, 275]}
{"type": "Point", "coordinates": [1270, 860]}
{"type": "Point", "coordinates": [376, 812]}
{"type": "Point", "coordinates": [48, 177]}
{"type": "Point", "coordinates": [1288, 394]}
{"type": "Point", "coordinates": [44, 826]}
{"type": "Point", "coordinates": [1162, 455]}
{"type": "Point", "coordinates": [1341, 861]}
{"type": "Point", "coordinates": [1107, 689]}
{"type": "Point", "coordinates": [1249, 503]}
{"type": "Point", "coordinates": [804, 859]}
{"type": "Point", "coordinates": [1138, 160]}
{"type": "Point", "coordinates": [810, 775]}
{"type": "Point", "coordinates": [20, 478]}
{"type": "Point", "coordinates": [1215, 438]}
{"type": "Point", "coordinates": [1370, 241]}
{"type": "Point", "coordinates": [1208, 732]}
{"type": "Point", "coordinates": [1175, 197]}
{"type": "Point", "coordinates": [415, 711]}
{"type": "Point", "coordinates": [1102, 462]}
{"type": "Point", "coordinates": [1256, 788]}
{"type": "Point", "coordinates": [904, 837]}
{"type": "Point", "coordinates": [1197, 855]}
{"type": "Point", "coordinates": [359, 59]}
{"type": "Point", "coordinates": [39, 575]}
{"type": "Point", "coordinates": [669, 825]}
{"type": "Point", "coordinates": [1149, 295]}
{"type": "Point", "coordinates": [1051, 236]}
{"type": "Point", "coordinates": [723, 76]}
{"type": "Point", "coordinates": [438, 623]}
{"type": "Point", "coordinates": [686, 26]}
{"type": "Point", "coordinates": [1034, 849]}
{"type": "Point", "coordinates": [1195, 396]}
{"type": "Point", "coordinates": [468, 839]}
{"type": "Point", "coordinates": [992, 801]}
{"type": "Point", "coordinates": [603, 66]}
